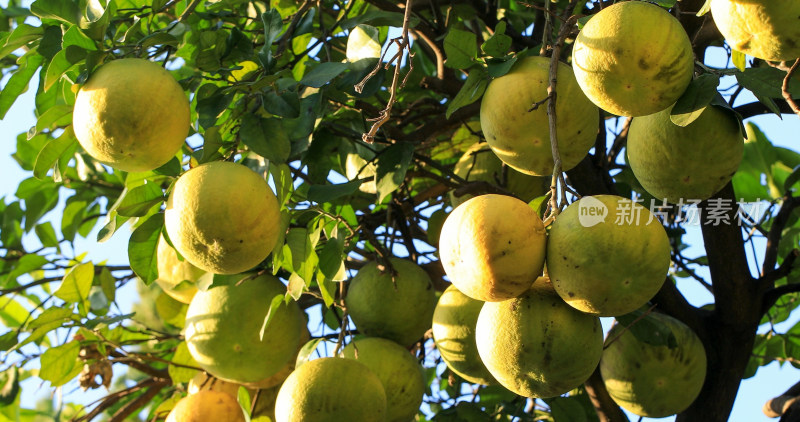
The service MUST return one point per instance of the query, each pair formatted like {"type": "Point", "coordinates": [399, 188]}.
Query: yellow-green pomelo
{"type": "Point", "coordinates": [222, 217]}
{"type": "Point", "coordinates": [692, 162]}
{"type": "Point", "coordinates": [766, 29]}
{"type": "Point", "coordinates": [633, 59]}
{"type": "Point", "coordinates": [454, 321]}
{"type": "Point", "coordinates": [276, 379]}
{"type": "Point", "coordinates": [480, 164]}
{"type": "Point", "coordinates": [223, 326]}
{"type": "Point", "coordinates": [492, 247]}
{"type": "Point", "coordinates": [175, 276]}
{"type": "Point", "coordinates": [399, 372]}
{"type": "Point", "coordinates": [132, 115]}
{"type": "Point", "coordinates": [654, 380]}
{"type": "Point", "coordinates": [607, 255]}
{"type": "Point", "coordinates": [536, 345]}
{"type": "Point", "coordinates": [265, 404]}
{"type": "Point", "coordinates": [397, 307]}
{"type": "Point", "coordinates": [331, 390]}
{"type": "Point", "coordinates": [207, 405]}
{"type": "Point", "coordinates": [520, 136]}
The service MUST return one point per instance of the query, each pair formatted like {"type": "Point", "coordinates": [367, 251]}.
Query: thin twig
{"type": "Point", "coordinates": [189, 9]}
{"type": "Point", "coordinates": [785, 87]}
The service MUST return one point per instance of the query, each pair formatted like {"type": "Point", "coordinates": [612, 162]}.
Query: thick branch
{"type": "Point", "coordinates": [607, 410]}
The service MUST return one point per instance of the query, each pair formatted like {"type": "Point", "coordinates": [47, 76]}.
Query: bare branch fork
{"type": "Point", "coordinates": [785, 87]}
{"type": "Point", "coordinates": [402, 43]}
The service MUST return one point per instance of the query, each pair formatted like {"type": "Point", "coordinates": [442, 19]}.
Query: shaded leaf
{"type": "Point", "coordinates": [461, 48]}
{"type": "Point", "coordinates": [471, 91]}
{"type": "Point", "coordinates": [695, 99]}
{"type": "Point", "coordinates": [391, 168]}
{"type": "Point", "coordinates": [142, 248]}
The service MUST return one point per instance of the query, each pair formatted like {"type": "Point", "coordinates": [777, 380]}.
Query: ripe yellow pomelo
{"type": "Point", "coordinates": [536, 345]}
{"type": "Point", "coordinates": [223, 326]}
{"type": "Point", "coordinates": [331, 390]}
{"type": "Point", "coordinates": [492, 247]}
{"type": "Point", "coordinates": [265, 402]}
{"type": "Point", "coordinates": [399, 372]}
{"type": "Point", "coordinates": [693, 162]}
{"type": "Point", "coordinates": [222, 217]}
{"type": "Point", "coordinates": [633, 59]}
{"type": "Point", "coordinates": [132, 115]}
{"type": "Point", "coordinates": [649, 380]}
{"type": "Point", "coordinates": [607, 255]}
{"type": "Point", "coordinates": [454, 321]}
{"type": "Point", "coordinates": [177, 278]}
{"type": "Point", "coordinates": [480, 164]}
{"type": "Point", "coordinates": [521, 138]}
{"type": "Point", "coordinates": [398, 309]}
{"type": "Point", "coordinates": [207, 405]}
{"type": "Point", "coordinates": [766, 29]}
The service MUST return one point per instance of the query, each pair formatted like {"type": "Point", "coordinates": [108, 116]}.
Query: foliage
{"type": "Point", "coordinates": [271, 86]}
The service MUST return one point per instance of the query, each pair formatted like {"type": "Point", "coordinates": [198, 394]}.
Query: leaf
{"type": "Point", "coordinates": [331, 258]}
{"type": "Point", "coordinates": [304, 354]}
{"type": "Point", "coordinates": [46, 234]}
{"type": "Point", "coordinates": [273, 26]}
{"type": "Point", "coordinates": [138, 201]}
{"type": "Point", "coordinates": [391, 168]}
{"type": "Point", "coordinates": [266, 137]}
{"type": "Point", "coordinates": [695, 99]}
{"type": "Point", "coordinates": [327, 193]}
{"type": "Point", "coordinates": [766, 82]}
{"type": "Point", "coordinates": [52, 151]}
{"type": "Point", "coordinates": [648, 330]}
{"type": "Point", "coordinates": [26, 264]}
{"type": "Point", "coordinates": [8, 340]}
{"type": "Point", "coordinates": [323, 73]}
{"type": "Point", "coordinates": [18, 82]}
{"type": "Point", "coordinates": [61, 63]}
{"type": "Point", "coordinates": [498, 44]}
{"type": "Point", "coordinates": [705, 9]}
{"type": "Point", "coordinates": [276, 302]}
{"type": "Point", "coordinates": [182, 357]}
{"type": "Point", "coordinates": [363, 43]}
{"type": "Point", "coordinates": [10, 390]}
{"type": "Point", "coordinates": [461, 49]}
{"type": "Point", "coordinates": [142, 248]}
{"type": "Point", "coordinates": [22, 35]}
{"type": "Point", "coordinates": [379, 18]}
{"type": "Point", "coordinates": [738, 59]}
{"type": "Point", "coordinates": [473, 89]}
{"type": "Point", "coordinates": [793, 178]}
{"type": "Point", "coordinates": [499, 67]}
{"type": "Point", "coordinates": [76, 283]}
{"type": "Point", "coordinates": [243, 397]}
{"type": "Point", "coordinates": [62, 10]}
{"type": "Point", "coordinates": [50, 315]}
{"type": "Point", "coordinates": [60, 364]}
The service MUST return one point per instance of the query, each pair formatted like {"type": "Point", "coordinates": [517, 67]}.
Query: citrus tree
{"type": "Point", "coordinates": [359, 113]}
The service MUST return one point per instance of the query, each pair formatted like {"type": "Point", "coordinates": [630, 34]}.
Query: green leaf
{"type": "Point", "coordinates": [378, 18]}
{"type": "Point", "coordinates": [142, 248]}
{"type": "Point", "coordinates": [62, 10]}
{"type": "Point", "coordinates": [705, 9]}
{"type": "Point", "coordinates": [461, 49]}
{"type": "Point", "coordinates": [46, 234]}
{"type": "Point", "coordinates": [499, 67]}
{"type": "Point", "coordinates": [182, 357]}
{"type": "Point", "coordinates": [18, 82]}
{"type": "Point", "coordinates": [243, 397]}
{"type": "Point", "coordinates": [52, 151]}
{"type": "Point", "coordinates": [327, 193]}
{"type": "Point", "coordinates": [26, 264]}
{"type": "Point", "coordinates": [50, 315]}
{"type": "Point", "coordinates": [323, 73]}
{"type": "Point", "coordinates": [10, 390]}
{"type": "Point", "coordinates": [22, 35]}
{"type": "Point", "coordinates": [304, 355]}
{"type": "Point", "coordinates": [266, 137]}
{"type": "Point", "coordinates": [138, 201]}
{"type": "Point", "coordinates": [738, 58]}
{"type": "Point", "coordinates": [74, 36]}
{"type": "Point", "coordinates": [793, 178]}
{"type": "Point", "coordinates": [498, 44]}
{"type": "Point", "coordinates": [276, 302]}
{"type": "Point", "coordinates": [331, 258]}
{"type": "Point", "coordinates": [666, 3]}
{"type": "Point", "coordinates": [60, 364]}
{"type": "Point", "coordinates": [363, 43]}
{"type": "Point", "coordinates": [273, 26]}
{"type": "Point", "coordinates": [471, 91]}
{"type": "Point", "coordinates": [8, 340]}
{"type": "Point", "coordinates": [76, 283]}
{"type": "Point", "coordinates": [648, 330]}
{"type": "Point", "coordinates": [695, 99]}
{"type": "Point", "coordinates": [391, 168]}
{"type": "Point", "coordinates": [765, 82]}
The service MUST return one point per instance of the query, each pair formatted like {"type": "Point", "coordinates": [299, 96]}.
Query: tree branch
{"type": "Point", "coordinates": [607, 410]}
{"type": "Point", "coordinates": [785, 88]}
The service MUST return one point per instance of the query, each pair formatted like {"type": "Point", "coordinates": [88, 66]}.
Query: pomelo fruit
{"type": "Point", "coordinates": [218, 228]}
{"type": "Point", "coordinates": [223, 326]}
{"type": "Point", "coordinates": [607, 255]}
{"type": "Point", "coordinates": [649, 380]}
{"type": "Point", "coordinates": [480, 164]}
{"type": "Point", "coordinates": [766, 29]}
{"type": "Point", "coordinates": [536, 345]}
{"type": "Point", "coordinates": [265, 401]}
{"type": "Point", "coordinates": [633, 59]}
{"type": "Point", "coordinates": [277, 378]}
{"type": "Point", "coordinates": [492, 247]}
{"type": "Point", "coordinates": [207, 405]}
{"type": "Point", "coordinates": [132, 115]}
{"type": "Point", "coordinates": [176, 277]}
{"type": "Point", "coordinates": [399, 372]}
{"type": "Point", "coordinates": [454, 321]}
{"type": "Point", "coordinates": [519, 136]}
{"type": "Point", "coordinates": [692, 162]}
{"type": "Point", "coordinates": [400, 309]}
{"type": "Point", "coordinates": [331, 390]}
